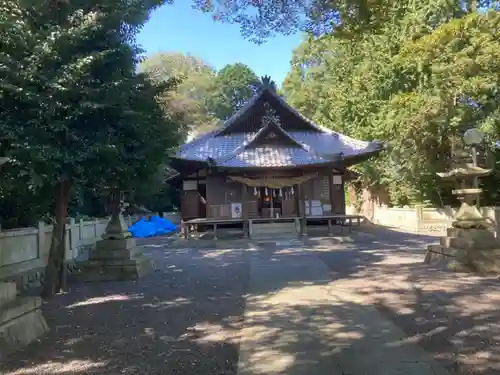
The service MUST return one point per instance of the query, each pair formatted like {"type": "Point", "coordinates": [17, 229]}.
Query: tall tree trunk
{"type": "Point", "coordinates": [62, 275]}
{"type": "Point", "coordinates": [54, 271]}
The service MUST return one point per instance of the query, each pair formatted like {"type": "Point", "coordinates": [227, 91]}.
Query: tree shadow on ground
{"type": "Point", "coordinates": [187, 318]}
{"type": "Point", "coordinates": [182, 319]}
{"type": "Point", "coordinates": [454, 316]}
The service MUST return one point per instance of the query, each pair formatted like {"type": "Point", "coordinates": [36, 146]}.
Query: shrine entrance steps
{"type": "Point", "coordinates": [274, 230]}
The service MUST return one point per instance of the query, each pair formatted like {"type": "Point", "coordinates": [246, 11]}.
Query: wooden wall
{"type": "Point", "coordinates": [190, 205]}
{"type": "Point", "coordinates": [318, 189]}
{"type": "Point", "coordinates": [221, 192]}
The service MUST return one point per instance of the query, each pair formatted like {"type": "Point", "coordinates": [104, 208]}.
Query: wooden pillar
{"type": "Point", "coordinates": [331, 189]}
{"type": "Point", "coordinates": [244, 209]}
{"type": "Point", "coordinates": [185, 228]}
{"type": "Point", "coordinates": [342, 197]}
{"type": "Point", "coordinates": [297, 200]}
{"type": "Point", "coordinates": [302, 210]}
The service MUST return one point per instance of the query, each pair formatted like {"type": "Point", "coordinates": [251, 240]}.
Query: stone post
{"type": "Point", "coordinates": [116, 256]}
{"type": "Point", "coordinates": [21, 319]}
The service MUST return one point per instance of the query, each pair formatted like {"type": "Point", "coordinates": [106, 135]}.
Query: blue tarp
{"type": "Point", "coordinates": [157, 226]}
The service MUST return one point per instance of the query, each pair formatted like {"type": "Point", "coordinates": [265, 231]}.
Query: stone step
{"type": "Point", "coordinates": [274, 228]}
{"type": "Point", "coordinates": [288, 231]}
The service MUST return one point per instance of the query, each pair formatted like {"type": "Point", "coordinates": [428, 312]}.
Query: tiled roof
{"type": "Point", "coordinates": [272, 157]}
{"type": "Point", "coordinates": [231, 151]}
{"type": "Point", "coordinates": [317, 146]}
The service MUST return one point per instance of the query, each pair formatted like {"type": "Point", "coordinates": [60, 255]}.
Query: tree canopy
{"type": "Point", "coordinates": [417, 82]}
{"type": "Point", "coordinates": [260, 20]}
{"type": "Point", "coordinates": [74, 110]}
{"type": "Point", "coordinates": [233, 86]}
{"type": "Point", "coordinates": [188, 103]}
{"type": "Point", "coordinates": [203, 97]}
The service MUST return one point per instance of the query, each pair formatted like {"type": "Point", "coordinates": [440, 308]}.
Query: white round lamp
{"type": "Point", "coordinates": [473, 137]}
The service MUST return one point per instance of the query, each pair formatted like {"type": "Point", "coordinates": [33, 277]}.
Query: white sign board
{"type": "Point", "coordinates": [316, 209]}
{"type": "Point", "coordinates": [236, 210]}
{"type": "Point", "coordinates": [190, 185]}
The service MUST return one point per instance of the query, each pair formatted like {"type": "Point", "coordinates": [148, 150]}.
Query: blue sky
{"type": "Point", "coordinates": [180, 28]}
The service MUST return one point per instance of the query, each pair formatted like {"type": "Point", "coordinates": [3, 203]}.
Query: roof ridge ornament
{"type": "Point", "coordinates": [268, 83]}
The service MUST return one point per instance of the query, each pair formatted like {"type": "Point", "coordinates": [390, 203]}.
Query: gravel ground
{"type": "Point", "coordinates": [455, 317]}
{"type": "Point", "coordinates": [179, 320]}
{"type": "Point", "coordinates": [185, 318]}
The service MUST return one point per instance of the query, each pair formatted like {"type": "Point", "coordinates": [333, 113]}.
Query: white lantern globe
{"type": "Point", "coordinates": [473, 137]}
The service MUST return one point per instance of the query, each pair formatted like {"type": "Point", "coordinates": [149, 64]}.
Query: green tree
{"type": "Point", "coordinates": [188, 102]}
{"type": "Point", "coordinates": [416, 82]}
{"type": "Point", "coordinates": [233, 86]}
{"type": "Point", "coordinates": [72, 103]}
{"type": "Point", "coordinates": [260, 20]}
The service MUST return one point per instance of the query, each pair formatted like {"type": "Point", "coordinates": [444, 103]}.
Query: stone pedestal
{"type": "Point", "coordinates": [21, 319]}
{"type": "Point", "coordinates": [467, 249]}
{"type": "Point", "coordinates": [116, 259]}
{"type": "Point", "coordinates": [116, 256]}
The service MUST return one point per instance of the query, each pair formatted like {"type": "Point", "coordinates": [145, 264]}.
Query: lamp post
{"type": "Point", "coordinates": [473, 138]}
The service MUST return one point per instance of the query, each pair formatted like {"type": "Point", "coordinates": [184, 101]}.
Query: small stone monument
{"type": "Point", "coordinates": [21, 319]}
{"type": "Point", "coordinates": [116, 256]}
{"type": "Point", "coordinates": [470, 244]}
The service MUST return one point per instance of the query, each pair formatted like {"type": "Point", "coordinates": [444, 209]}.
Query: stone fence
{"type": "Point", "coordinates": [422, 219]}
{"type": "Point", "coordinates": [24, 252]}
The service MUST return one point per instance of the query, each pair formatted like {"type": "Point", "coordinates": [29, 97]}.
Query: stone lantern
{"type": "Point", "coordinates": [117, 228]}
{"type": "Point", "coordinates": [470, 244]}
{"type": "Point", "coordinates": [116, 256]}
{"type": "Point", "coordinates": [21, 319]}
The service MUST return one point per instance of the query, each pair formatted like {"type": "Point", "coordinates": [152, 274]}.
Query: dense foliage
{"type": "Point", "coordinates": [233, 86]}
{"type": "Point", "coordinates": [262, 19]}
{"type": "Point", "coordinates": [417, 81]}
{"type": "Point", "coordinates": [74, 111]}
{"type": "Point", "coordinates": [204, 97]}
{"type": "Point", "coordinates": [188, 103]}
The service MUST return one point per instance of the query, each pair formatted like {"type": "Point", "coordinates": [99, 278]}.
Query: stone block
{"type": "Point", "coordinates": [484, 262]}
{"type": "Point", "coordinates": [17, 307]}
{"type": "Point", "coordinates": [8, 292]}
{"type": "Point", "coordinates": [436, 258]}
{"type": "Point", "coordinates": [113, 260]}
{"type": "Point", "coordinates": [111, 245]}
{"type": "Point", "coordinates": [467, 250]}
{"type": "Point", "coordinates": [116, 270]}
{"type": "Point", "coordinates": [474, 239]}
{"type": "Point", "coordinates": [445, 241]}
{"type": "Point", "coordinates": [114, 254]}
{"type": "Point", "coordinates": [452, 232]}
{"type": "Point", "coordinates": [440, 249]}
{"type": "Point", "coordinates": [21, 322]}
{"type": "Point", "coordinates": [473, 233]}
